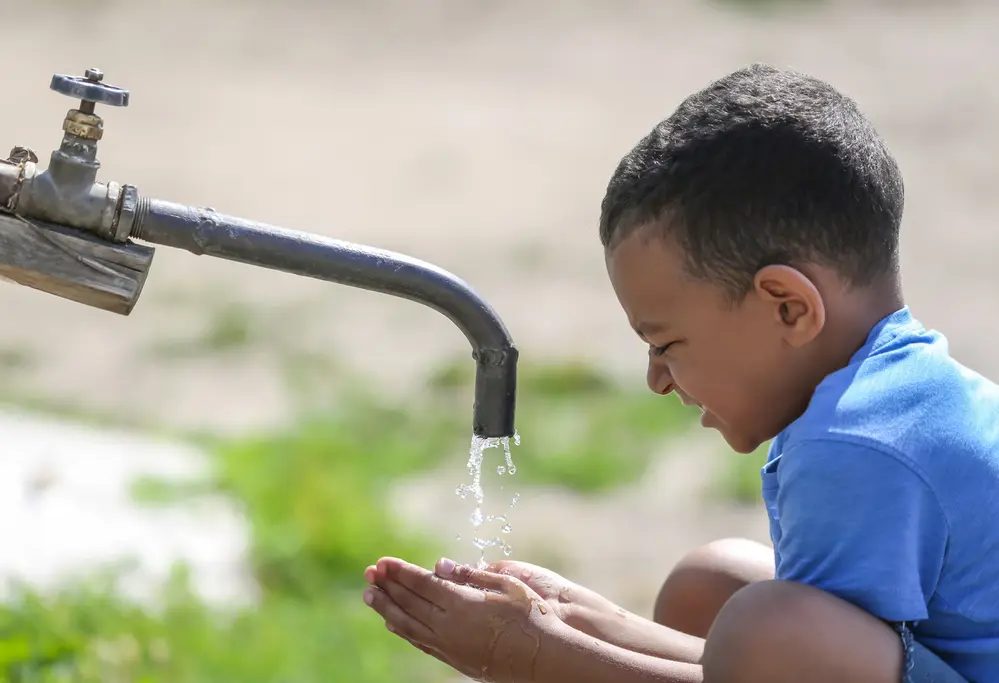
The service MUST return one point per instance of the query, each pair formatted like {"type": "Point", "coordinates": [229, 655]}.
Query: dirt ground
{"type": "Point", "coordinates": [478, 136]}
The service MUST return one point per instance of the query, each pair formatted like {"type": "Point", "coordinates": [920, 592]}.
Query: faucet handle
{"type": "Point", "coordinates": [90, 90]}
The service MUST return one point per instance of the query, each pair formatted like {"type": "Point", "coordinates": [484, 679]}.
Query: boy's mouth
{"type": "Point", "coordinates": [687, 400]}
{"type": "Point", "coordinates": [690, 402]}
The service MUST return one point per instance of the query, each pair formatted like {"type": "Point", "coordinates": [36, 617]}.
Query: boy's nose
{"type": "Point", "coordinates": [659, 379]}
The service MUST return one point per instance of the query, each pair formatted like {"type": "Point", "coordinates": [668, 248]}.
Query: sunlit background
{"type": "Point", "coordinates": [191, 492]}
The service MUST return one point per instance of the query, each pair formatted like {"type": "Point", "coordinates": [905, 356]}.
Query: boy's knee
{"type": "Point", "coordinates": [706, 578]}
{"type": "Point", "coordinates": [777, 631]}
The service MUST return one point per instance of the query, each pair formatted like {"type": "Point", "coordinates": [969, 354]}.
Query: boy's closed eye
{"type": "Point", "coordinates": [659, 350]}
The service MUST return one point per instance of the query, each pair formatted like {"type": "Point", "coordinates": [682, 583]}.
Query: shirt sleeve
{"type": "Point", "coordinates": [860, 524]}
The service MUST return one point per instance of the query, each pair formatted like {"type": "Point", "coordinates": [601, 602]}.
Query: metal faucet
{"type": "Point", "coordinates": [64, 232]}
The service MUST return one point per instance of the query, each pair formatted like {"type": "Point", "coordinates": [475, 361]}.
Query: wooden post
{"type": "Point", "coordinates": [73, 264]}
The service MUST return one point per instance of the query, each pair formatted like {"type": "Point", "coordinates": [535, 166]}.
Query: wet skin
{"type": "Point", "coordinates": [490, 633]}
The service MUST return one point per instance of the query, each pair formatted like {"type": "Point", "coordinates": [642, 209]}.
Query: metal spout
{"type": "Point", "coordinates": [206, 232]}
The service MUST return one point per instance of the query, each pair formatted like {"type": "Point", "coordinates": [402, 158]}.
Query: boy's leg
{"type": "Point", "coordinates": [704, 580]}
{"type": "Point", "coordinates": [785, 632]}
{"type": "Point", "coordinates": [775, 631]}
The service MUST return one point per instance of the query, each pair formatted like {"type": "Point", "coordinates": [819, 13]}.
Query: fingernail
{"type": "Point", "coordinates": [369, 597]}
{"type": "Point", "coordinates": [445, 568]}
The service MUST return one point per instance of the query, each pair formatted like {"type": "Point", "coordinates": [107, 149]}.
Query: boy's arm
{"type": "Point", "coordinates": [593, 614]}
{"type": "Point", "coordinates": [571, 655]}
{"type": "Point", "coordinates": [860, 523]}
{"type": "Point", "coordinates": [598, 617]}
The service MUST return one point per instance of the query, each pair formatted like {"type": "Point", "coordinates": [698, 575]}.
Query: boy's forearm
{"type": "Point", "coordinates": [567, 654]}
{"type": "Point", "coordinates": [613, 625]}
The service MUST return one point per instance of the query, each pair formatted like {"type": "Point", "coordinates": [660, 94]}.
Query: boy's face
{"type": "Point", "coordinates": [733, 362]}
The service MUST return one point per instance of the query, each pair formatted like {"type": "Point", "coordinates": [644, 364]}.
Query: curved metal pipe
{"type": "Point", "coordinates": [204, 231]}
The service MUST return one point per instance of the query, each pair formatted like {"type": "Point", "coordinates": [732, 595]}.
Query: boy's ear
{"type": "Point", "coordinates": [797, 305]}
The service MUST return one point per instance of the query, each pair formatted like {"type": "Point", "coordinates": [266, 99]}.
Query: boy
{"type": "Point", "coordinates": [752, 240]}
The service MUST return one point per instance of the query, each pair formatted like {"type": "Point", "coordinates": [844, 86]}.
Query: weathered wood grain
{"type": "Point", "coordinates": [73, 264]}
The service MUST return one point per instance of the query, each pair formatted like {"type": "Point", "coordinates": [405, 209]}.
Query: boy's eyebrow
{"type": "Point", "coordinates": [644, 329]}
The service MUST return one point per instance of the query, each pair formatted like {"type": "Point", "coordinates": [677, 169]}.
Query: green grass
{"type": "Point", "coordinates": [87, 634]}
{"type": "Point", "coordinates": [739, 480]}
{"type": "Point", "coordinates": [314, 495]}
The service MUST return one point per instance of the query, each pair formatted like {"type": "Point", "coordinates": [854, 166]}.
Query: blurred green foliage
{"type": "Point", "coordinates": [314, 497]}
{"type": "Point", "coordinates": [739, 481]}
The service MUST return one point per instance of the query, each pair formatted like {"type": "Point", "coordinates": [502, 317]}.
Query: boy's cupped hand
{"type": "Point", "coordinates": [576, 605]}
{"type": "Point", "coordinates": [486, 625]}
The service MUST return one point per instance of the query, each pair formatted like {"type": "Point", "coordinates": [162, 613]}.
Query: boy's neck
{"type": "Point", "coordinates": [856, 314]}
{"type": "Point", "coordinates": [849, 321]}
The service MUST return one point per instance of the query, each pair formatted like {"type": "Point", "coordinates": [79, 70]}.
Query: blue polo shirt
{"type": "Point", "coordinates": [885, 493]}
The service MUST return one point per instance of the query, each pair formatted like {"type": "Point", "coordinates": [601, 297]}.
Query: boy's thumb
{"type": "Point", "coordinates": [468, 576]}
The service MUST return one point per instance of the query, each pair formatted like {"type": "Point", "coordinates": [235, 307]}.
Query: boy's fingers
{"type": "Point", "coordinates": [419, 580]}
{"type": "Point", "coordinates": [463, 574]}
{"type": "Point", "coordinates": [411, 603]}
{"type": "Point", "coordinates": [396, 620]}
{"type": "Point", "coordinates": [506, 567]}
{"type": "Point", "coordinates": [530, 574]}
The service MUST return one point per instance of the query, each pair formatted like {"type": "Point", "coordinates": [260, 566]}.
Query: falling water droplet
{"type": "Point", "coordinates": [476, 457]}
{"type": "Point", "coordinates": [510, 467]}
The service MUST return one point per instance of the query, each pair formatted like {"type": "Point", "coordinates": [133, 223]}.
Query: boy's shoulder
{"type": "Point", "coordinates": [904, 394]}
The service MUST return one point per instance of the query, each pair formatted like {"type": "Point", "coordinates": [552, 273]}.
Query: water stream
{"type": "Point", "coordinates": [479, 519]}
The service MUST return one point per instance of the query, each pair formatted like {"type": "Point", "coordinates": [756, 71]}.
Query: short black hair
{"type": "Point", "coordinates": [764, 166]}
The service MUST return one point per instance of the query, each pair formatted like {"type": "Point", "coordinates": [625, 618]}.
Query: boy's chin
{"type": "Point", "coordinates": [740, 443]}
